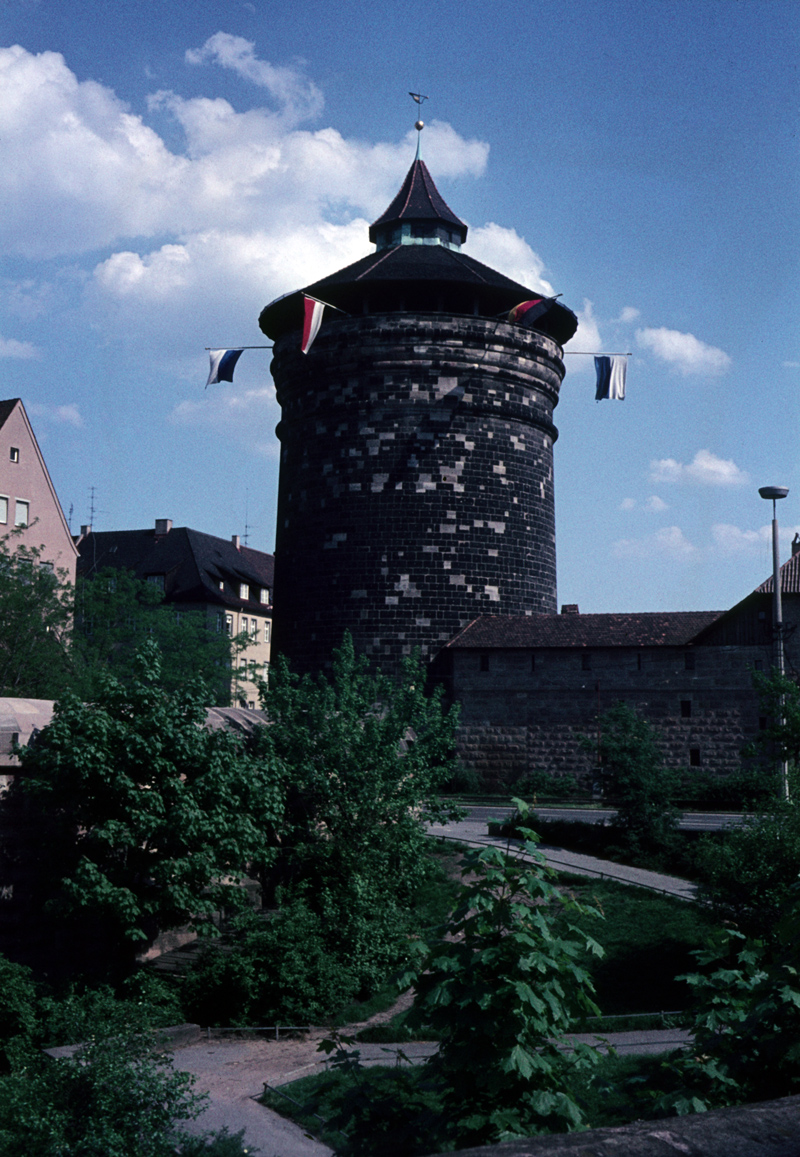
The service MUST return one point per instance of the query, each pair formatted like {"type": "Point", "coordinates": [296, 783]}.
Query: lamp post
{"type": "Point", "coordinates": [774, 493]}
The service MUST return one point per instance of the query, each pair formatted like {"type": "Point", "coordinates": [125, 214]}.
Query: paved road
{"type": "Point", "coordinates": [473, 831]}
{"type": "Point", "coordinates": [689, 822]}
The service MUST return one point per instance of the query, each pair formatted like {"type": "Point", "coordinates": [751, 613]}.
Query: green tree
{"type": "Point", "coordinates": [746, 1021]}
{"type": "Point", "coordinates": [115, 612]}
{"type": "Point", "coordinates": [501, 987]}
{"type": "Point", "coordinates": [364, 757]}
{"type": "Point", "coordinates": [35, 622]}
{"type": "Point", "coordinates": [749, 874]}
{"type": "Point", "coordinates": [635, 780]}
{"type": "Point", "coordinates": [147, 818]}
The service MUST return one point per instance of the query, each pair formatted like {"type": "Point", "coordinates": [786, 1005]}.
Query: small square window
{"type": "Point", "coordinates": [244, 591]}
{"type": "Point", "coordinates": [686, 708]}
{"type": "Point", "coordinates": [13, 454]}
{"type": "Point", "coordinates": [21, 513]}
{"type": "Point", "coordinates": [222, 584]}
{"type": "Point", "coordinates": [3, 509]}
{"type": "Point", "coordinates": [694, 756]}
{"type": "Point", "coordinates": [586, 661]}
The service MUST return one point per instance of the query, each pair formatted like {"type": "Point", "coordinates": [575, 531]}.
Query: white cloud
{"type": "Point", "coordinates": [79, 172]}
{"type": "Point", "coordinates": [683, 351]}
{"type": "Point", "coordinates": [705, 468]}
{"type": "Point", "coordinates": [68, 415]}
{"type": "Point", "coordinates": [668, 542]}
{"type": "Point", "coordinates": [587, 339]}
{"type": "Point", "coordinates": [244, 413]}
{"type": "Point", "coordinates": [511, 254]}
{"type": "Point", "coordinates": [11, 348]}
{"type": "Point", "coordinates": [653, 505]}
{"type": "Point", "coordinates": [299, 96]}
{"type": "Point", "coordinates": [628, 315]}
{"type": "Point", "coordinates": [731, 540]}
{"type": "Point", "coordinates": [791, 365]}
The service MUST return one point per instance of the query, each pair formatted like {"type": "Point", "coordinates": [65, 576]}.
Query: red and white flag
{"type": "Point", "coordinates": [312, 320]}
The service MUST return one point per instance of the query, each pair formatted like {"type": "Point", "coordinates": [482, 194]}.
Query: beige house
{"type": "Point", "coordinates": [28, 501]}
{"type": "Point", "coordinates": [232, 583]}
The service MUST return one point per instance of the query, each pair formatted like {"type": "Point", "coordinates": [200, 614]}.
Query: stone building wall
{"type": "Point", "coordinates": [523, 711]}
{"type": "Point", "coordinates": [416, 482]}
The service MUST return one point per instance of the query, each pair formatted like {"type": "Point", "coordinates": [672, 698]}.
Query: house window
{"type": "Point", "coordinates": [244, 591]}
{"type": "Point", "coordinates": [483, 664]}
{"type": "Point", "coordinates": [762, 723]}
{"type": "Point", "coordinates": [264, 596]}
{"type": "Point", "coordinates": [694, 756]}
{"type": "Point", "coordinates": [533, 661]}
{"type": "Point", "coordinates": [229, 624]}
{"type": "Point", "coordinates": [758, 665]}
{"type": "Point", "coordinates": [688, 660]}
{"type": "Point", "coordinates": [156, 580]}
{"type": "Point", "coordinates": [222, 584]}
{"type": "Point", "coordinates": [686, 708]}
{"type": "Point", "coordinates": [21, 513]}
{"type": "Point", "coordinates": [254, 630]}
{"type": "Point", "coordinates": [267, 633]}
{"type": "Point", "coordinates": [243, 627]}
{"type": "Point", "coordinates": [220, 621]}
{"type": "Point", "coordinates": [13, 454]}
{"type": "Point", "coordinates": [3, 509]}
{"type": "Point", "coordinates": [586, 661]}
{"type": "Point", "coordinates": [638, 660]}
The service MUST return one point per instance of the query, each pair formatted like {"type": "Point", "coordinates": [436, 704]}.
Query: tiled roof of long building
{"type": "Point", "coordinates": [657, 628]}
{"type": "Point", "coordinates": [790, 578]}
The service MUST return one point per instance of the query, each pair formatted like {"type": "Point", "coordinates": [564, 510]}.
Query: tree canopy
{"type": "Point", "coordinates": [147, 816]}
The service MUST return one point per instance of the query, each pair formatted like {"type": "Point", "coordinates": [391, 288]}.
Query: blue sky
{"type": "Point", "coordinates": [167, 169]}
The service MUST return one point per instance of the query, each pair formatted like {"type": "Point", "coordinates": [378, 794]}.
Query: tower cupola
{"type": "Point", "coordinates": [418, 215]}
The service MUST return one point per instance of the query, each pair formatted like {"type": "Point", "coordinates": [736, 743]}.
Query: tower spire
{"type": "Point", "coordinates": [420, 123]}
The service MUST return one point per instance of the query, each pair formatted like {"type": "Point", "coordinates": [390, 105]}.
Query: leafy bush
{"type": "Point", "coordinates": [635, 780]}
{"type": "Point", "coordinates": [501, 986]}
{"type": "Point", "coordinates": [749, 874]}
{"type": "Point", "coordinates": [536, 783]}
{"type": "Point", "coordinates": [19, 1014]}
{"type": "Point", "coordinates": [115, 1098]}
{"type": "Point", "coordinates": [746, 1022]}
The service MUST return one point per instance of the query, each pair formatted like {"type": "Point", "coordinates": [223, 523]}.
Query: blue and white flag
{"type": "Point", "coordinates": [610, 377]}
{"type": "Point", "coordinates": [223, 363]}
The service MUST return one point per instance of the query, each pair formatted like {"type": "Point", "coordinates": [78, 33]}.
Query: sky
{"type": "Point", "coordinates": [167, 169]}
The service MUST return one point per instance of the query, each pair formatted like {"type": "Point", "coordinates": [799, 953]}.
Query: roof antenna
{"type": "Point", "coordinates": [420, 124]}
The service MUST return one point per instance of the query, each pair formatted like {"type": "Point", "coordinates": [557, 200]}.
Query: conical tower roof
{"type": "Point", "coordinates": [423, 210]}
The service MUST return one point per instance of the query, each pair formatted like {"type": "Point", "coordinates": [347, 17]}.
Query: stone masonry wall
{"type": "Point", "coordinates": [529, 710]}
{"type": "Point", "coordinates": [416, 482]}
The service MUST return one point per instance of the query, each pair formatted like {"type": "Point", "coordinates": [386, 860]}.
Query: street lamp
{"type": "Point", "coordinates": [774, 493]}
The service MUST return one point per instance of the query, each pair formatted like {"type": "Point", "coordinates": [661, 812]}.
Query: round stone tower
{"type": "Point", "coordinates": [416, 476]}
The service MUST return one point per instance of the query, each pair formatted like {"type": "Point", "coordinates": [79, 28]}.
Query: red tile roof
{"type": "Point", "coordinates": [667, 628]}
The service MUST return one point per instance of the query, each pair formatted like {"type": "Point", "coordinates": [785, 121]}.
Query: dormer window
{"type": "Point", "coordinates": [244, 591]}
{"type": "Point", "coordinates": [264, 596]}
{"type": "Point", "coordinates": [13, 454]}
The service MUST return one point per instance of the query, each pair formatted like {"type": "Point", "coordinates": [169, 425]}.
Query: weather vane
{"type": "Point", "coordinates": [420, 124]}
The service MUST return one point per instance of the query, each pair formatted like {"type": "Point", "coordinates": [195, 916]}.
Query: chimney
{"type": "Point", "coordinates": [163, 526]}
{"type": "Point", "coordinates": [795, 545]}
{"type": "Point", "coordinates": [87, 530]}
{"type": "Point", "coordinates": [569, 609]}
{"type": "Point", "coordinates": [235, 541]}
